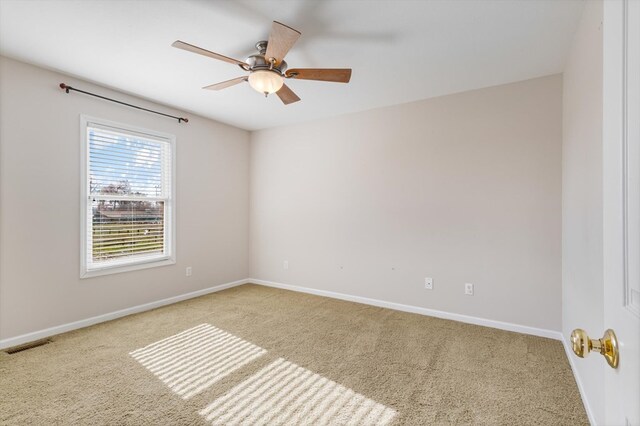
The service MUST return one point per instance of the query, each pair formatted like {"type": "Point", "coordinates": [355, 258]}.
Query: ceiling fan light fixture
{"type": "Point", "coordinates": [265, 81]}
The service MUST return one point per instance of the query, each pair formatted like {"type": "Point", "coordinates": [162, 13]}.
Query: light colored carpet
{"type": "Point", "coordinates": [257, 355]}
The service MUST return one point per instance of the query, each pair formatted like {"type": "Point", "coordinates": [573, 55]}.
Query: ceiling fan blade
{"type": "Point", "coordinates": [286, 95]}
{"type": "Point", "coordinates": [195, 49]}
{"type": "Point", "coordinates": [338, 75]}
{"type": "Point", "coordinates": [281, 40]}
{"type": "Point", "coordinates": [225, 84]}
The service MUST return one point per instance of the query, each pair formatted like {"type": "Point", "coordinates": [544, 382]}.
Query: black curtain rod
{"type": "Point", "coordinates": [66, 88]}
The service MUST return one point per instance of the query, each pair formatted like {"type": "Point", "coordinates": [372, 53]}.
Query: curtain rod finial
{"type": "Point", "coordinates": [65, 87]}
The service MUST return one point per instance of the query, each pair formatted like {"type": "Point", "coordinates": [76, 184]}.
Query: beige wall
{"type": "Point", "coordinates": [40, 204]}
{"type": "Point", "coordinates": [462, 188]}
{"type": "Point", "coordinates": [582, 227]}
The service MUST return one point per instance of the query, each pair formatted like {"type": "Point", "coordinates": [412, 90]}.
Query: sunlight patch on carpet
{"type": "Point", "coordinates": [193, 360]}
{"type": "Point", "coordinates": [285, 393]}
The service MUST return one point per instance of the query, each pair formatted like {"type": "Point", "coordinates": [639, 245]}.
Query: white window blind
{"type": "Point", "coordinates": [128, 211]}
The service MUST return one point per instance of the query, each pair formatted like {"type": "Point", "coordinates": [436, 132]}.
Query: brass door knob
{"type": "Point", "coordinates": [607, 345]}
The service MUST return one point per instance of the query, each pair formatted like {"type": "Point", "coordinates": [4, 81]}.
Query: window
{"type": "Point", "coordinates": [127, 198]}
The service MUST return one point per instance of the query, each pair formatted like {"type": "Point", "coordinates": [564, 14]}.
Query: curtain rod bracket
{"type": "Point", "coordinates": [67, 88]}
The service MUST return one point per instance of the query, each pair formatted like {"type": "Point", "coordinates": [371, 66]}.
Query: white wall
{"type": "Point", "coordinates": [462, 188]}
{"type": "Point", "coordinates": [582, 227]}
{"type": "Point", "coordinates": [40, 204]}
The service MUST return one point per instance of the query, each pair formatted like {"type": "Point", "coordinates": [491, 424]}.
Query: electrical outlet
{"type": "Point", "coordinates": [428, 283]}
{"type": "Point", "coordinates": [285, 265]}
{"type": "Point", "coordinates": [468, 289]}
{"type": "Point", "coordinates": [189, 271]}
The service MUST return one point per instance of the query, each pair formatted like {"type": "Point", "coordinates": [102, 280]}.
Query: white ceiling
{"type": "Point", "coordinates": [400, 50]}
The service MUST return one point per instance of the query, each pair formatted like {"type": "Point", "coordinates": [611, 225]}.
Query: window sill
{"type": "Point", "coordinates": [116, 269]}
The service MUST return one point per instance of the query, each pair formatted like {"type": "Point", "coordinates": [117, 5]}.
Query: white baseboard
{"type": "Point", "coordinates": [583, 395]}
{"type": "Point", "coordinates": [41, 334]}
{"type": "Point", "coordinates": [541, 332]}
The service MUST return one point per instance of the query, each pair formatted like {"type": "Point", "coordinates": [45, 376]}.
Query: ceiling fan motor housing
{"type": "Point", "coordinates": [260, 62]}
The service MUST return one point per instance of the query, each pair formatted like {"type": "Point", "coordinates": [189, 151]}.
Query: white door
{"type": "Point", "coordinates": [621, 172]}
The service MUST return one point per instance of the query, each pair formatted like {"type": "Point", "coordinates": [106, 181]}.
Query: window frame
{"type": "Point", "coordinates": [169, 258]}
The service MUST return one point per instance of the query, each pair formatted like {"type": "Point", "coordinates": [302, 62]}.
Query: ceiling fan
{"type": "Point", "coordinates": [267, 68]}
